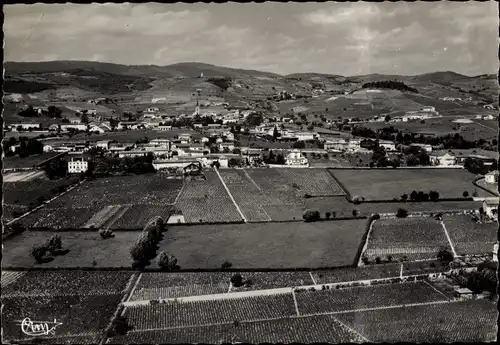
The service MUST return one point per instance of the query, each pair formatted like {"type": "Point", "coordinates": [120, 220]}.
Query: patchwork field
{"type": "Point", "coordinates": [83, 247]}
{"type": "Point", "coordinates": [470, 237]}
{"type": "Point", "coordinates": [155, 285]}
{"type": "Point", "coordinates": [207, 201]}
{"type": "Point", "coordinates": [468, 321]}
{"type": "Point", "coordinates": [305, 330]}
{"type": "Point", "coordinates": [266, 245]}
{"type": "Point", "coordinates": [382, 184]}
{"type": "Point", "coordinates": [174, 314]}
{"type": "Point", "coordinates": [324, 301]}
{"type": "Point", "coordinates": [415, 238]}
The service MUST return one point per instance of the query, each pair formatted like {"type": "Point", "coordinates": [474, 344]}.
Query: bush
{"type": "Point", "coordinates": [311, 215]}
{"type": "Point", "coordinates": [106, 233]}
{"type": "Point", "coordinates": [53, 244]}
{"type": "Point", "coordinates": [375, 216]}
{"type": "Point", "coordinates": [307, 196]}
{"type": "Point", "coordinates": [354, 213]}
{"type": "Point", "coordinates": [365, 260]}
{"type": "Point", "coordinates": [465, 194]}
{"type": "Point", "coordinates": [401, 213]}
{"type": "Point", "coordinates": [167, 261]}
{"type": "Point", "coordinates": [327, 215]}
{"type": "Point", "coordinates": [236, 280]}
{"type": "Point", "coordinates": [378, 260]}
{"type": "Point", "coordinates": [38, 252]}
{"type": "Point", "coordinates": [226, 265]}
{"type": "Point", "coordinates": [444, 255]}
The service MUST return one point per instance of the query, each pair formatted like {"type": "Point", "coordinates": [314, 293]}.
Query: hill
{"type": "Point", "coordinates": [441, 77]}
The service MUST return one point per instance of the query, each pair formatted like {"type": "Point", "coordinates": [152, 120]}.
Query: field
{"type": "Point", "coordinates": [132, 136]}
{"type": "Point", "coordinates": [125, 202]}
{"type": "Point", "coordinates": [277, 194]}
{"type": "Point", "coordinates": [20, 196]}
{"type": "Point", "coordinates": [470, 321]}
{"type": "Point", "coordinates": [469, 237]}
{"type": "Point", "coordinates": [416, 238]}
{"type": "Point", "coordinates": [349, 274]}
{"type": "Point", "coordinates": [64, 283]}
{"type": "Point", "coordinates": [84, 247]}
{"type": "Point", "coordinates": [433, 266]}
{"type": "Point", "coordinates": [175, 314]}
{"type": "Point", "coordinates": [153, 285]}
{"type": "Point", "coordinates": [79, 314]}
{"type": "Point", "coordinates": [305, 330]}
{"type": "Point", "coordinates": [207, 201]}
{"type": "Point", "coordinates": [269, 245]}
{"type": "Point", "coordinates": [382, 184]}
{"type": "Point", "coordinates": [324, 301]}
{"type": "Point", "coordinates": [15, 162]}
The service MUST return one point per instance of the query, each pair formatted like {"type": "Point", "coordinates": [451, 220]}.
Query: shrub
{"type": "Point", "coordinates": [401, 213]}
{"type": "Point", "coordinates": [307, 196]}
{"type": "Point", "coordinates": [378, 260]}
{"type": "Point", "coordinates": [354, 213]}
{"type": "Point", "coordinates": [444, 255]}
{"type": "Point", "coordinates": [389, 258]}
{"type": "Point", "coordinates": [53, 244]}
{"type": "Point", "coordinates": [311, 215]}
{"type": "Point", "coordinates": [226, 265]}
{"type": "Point", "coordinates": [365, 260]}
{"type": "Point", "coordinates": [375, 216]}
{"type": "Point", "coordinates": [167, 261]}
{"type": "Point", "coordinates": [356, 200]}
{"type": "Point", "coordinates": [237, 280]}
{"type": "Point", "coordinates": [465, 194]}
{"type": "Point", "coordinates": [38, 252]}
{"type": "Point", "coordinates": [327, 215]}
{"type": "Point", "coordinates": [106, 233]}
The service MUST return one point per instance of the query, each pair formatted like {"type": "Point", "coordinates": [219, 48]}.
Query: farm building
{"type": "Point", "coordinates": [445, 160]}
{"type": "Point", "coordinates": [490, 207]}
{"type": "Point", "coordinates": [463, 293]}
{"type": "Point", "coordinates": [491, 177]}
{"type": "Point", "coordinates": [24, 126]}
{"type": "Point", "coordinates": [336, 144]}
{"type": "Point", "coordinates": [388, 145]}
{"type": "Point", "coordinates": [173, 163]}
{"type": "Point", "coordinates": [104, 144]}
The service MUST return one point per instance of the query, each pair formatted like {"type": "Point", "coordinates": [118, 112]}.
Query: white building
{"type": "Point", "coordinates": [445, 160]}
{"type": "Point", "coordinates": [495, 252]}
{"type": "Point", "coordinates": [304, 136]}
{"type": "Point", "coordinates": [163, 128]}
{"type": "Point", "coordinates": [428, 108]}
{"type": "Point", "coordinates": [388, 145]}
{"type": "Point", "coordinates": [295, 158]}
{"type": "Point", "coordinates": [77, 127]}
{"type": "Point", "coordinates": [25, 126]}
{"type": "Point", "coordinates": [354, 145]}
{"type": "Point", "coordinates": [336, 144]}
{"type": "Point", "coordinates": [103, 144]}
{"type": "Point", "coordinates": [77, 165]}
{"type": "Point", "coordinates": [152, 110]}
{"type": "Point", "coordinates": [491, 177]}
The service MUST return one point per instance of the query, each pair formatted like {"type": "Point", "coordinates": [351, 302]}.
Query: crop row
{"type": "Point", "coordinates": [137, 216]}
{"type": "Point", "coordinates": [68, 282]}
{"type": "Point", "coordinates": [174, 314]}
{"type": "Point", "coordinates": [470, 237]}
{"type": "Point", "coordinates": [311, 302]}
{"type": "Point", "coordinates": [471, 321]}
{"type": "Point", "coordinates": [306, 330]}
{"type": "Point", "coordinates": [359, 273]}
{"type": "Point", "coordinates": [207, 201]}
{"type": "Point", "coordinates": [33, 192]}
{"type": "Point", "coordinates": [78, 314]}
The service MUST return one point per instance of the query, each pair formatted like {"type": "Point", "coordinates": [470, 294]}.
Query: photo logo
{"type": "Point", "coordinates": [36, 328]}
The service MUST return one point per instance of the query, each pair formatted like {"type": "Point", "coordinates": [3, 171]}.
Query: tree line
{"type": "Point", "coordinates": [390, 84]}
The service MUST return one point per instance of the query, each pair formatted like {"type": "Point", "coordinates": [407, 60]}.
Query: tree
{"type": "Point", "coordinates": [465, 194]}
{"type": "Point", "coordinates": [401, 213]}
{"type": "Point", "coordinates": [38, 252]}
{"type": "Point", "coordinates": [413, 196]}
{"type": "Point", "coordinates": [378, 260]}
{"type": "Point", "coordinates": [85, 119]}
{"type": "Point", "coordinates": [387, 118]}
{"type": "Point", "coordinates": [311, 216]}
{"type": "Point", "coordinates": [236, 280]}
{"type": "Point", "coordinates": [433, 195]}
{"type": "Point", "coordinates": [412, 160]}
{"type": "Point", "coordinates": [404, 197]}
{"type": "Point", "coordinates": [444, 255]}
{"type": "Point", "coordinates": [299, 145]}
{"type": "Point", "coordinates": [106, 233]}
{"type": "Point", "coordinates": [327, 215]}
{"type": "Point", "coordinates": [276, 134]}
{"type": "Point", "coordinates": [354, 213]}
{"type": "Point", "coordinates": [53, 244]}
{"type": "Point", "coordinates": [167, 261]}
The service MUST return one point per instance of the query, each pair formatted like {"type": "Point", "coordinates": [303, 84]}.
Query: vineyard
{"type": "Point", "coordinates": [384, 184]}
{"type": "Point", "coordinates": [178, 314]}
{"type": "Point", "coordinates": [266, 245]}
{"type": "Point", "coordinates": [78, 314]}
{"type": "Point", "coordinates": [84, 248]}
{"type": "Point", "coordinates": [311, 302]}
{"type": "Point", "coordinates": [415, 238]}
{"type": "Point", "coordinates": [350, 274]}
{"type": "Point", "coordinates": [137, 216]}
{"type": "Point", "coordinates": [59, 218]}
{"type": "Point", "coordinates": [471, 321]}
{"type": "Point", "coordinates": [305, 330]}
{"type": "Point", "coordinates": [470, 237]}
{"type": "Point", "coordinates": [424, 267]}
{"type": "Point", "coordinates": [207, 201]}
{"type": "Point", "coordinates": [67, 283]}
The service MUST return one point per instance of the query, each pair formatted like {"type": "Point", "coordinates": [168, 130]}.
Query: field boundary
{"type": "Point", "coordinates": [481, 187]}
{"type": "Point", "coordinates": [449, 239]}
{"type": "Point", "coordinates": [364, 243]}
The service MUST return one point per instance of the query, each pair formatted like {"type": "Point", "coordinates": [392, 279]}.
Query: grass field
{"type": "Point", "coordinates": [382, 184]}
{"type": "Point", "coordinates": [469, 237]}
{"type": "Point", "coordinates": [84, 248]}
{"type": "Point", "coordinates": [415, 238]}
{"type": "Point", "coordinates": [469, 321]}
{"type": "Point", "coordinates": [266, 245]}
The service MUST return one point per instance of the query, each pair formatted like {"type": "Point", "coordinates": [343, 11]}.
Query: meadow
{"type": "Point", "coordinates": [265, 245]}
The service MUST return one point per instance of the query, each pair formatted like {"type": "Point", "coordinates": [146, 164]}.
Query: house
{"type": "Point", "coordinates": [446, 160]}
{"type": "Point", "coordinates": [426, 147]}
{"type": "Point", "coordinates": [463, 293]}
{"type": "Point", "coordinates": [160, 142]}
{"type": "Point", "coordinates": [305, 136]}
{"type": "Point", "coordinates": [490, 207]}
{"type": "Point", "coordinates": [354, 145]}
{"type": "Point", "coordinates": [163, 128]}
{"type": "Point", "coordinates": [103, 144]}
{"type": "Point", "coordinates": [429, 109]}
{"type": "Point", "coordinates": [184, 137]}
{"type": "Point", "coordinates": [96, 129]}
{"type": "Point", "coordinates": [227, 146]}
{"type": "Point", "coordinates": [48, 148]}
{"type": "Point", "coordinates": [193, 168]}
{"type": "Point", "coordinates": [338, 144]}
{"type": "Point", "coordinates": [77, 165]}
{"type": "Point", "coordinates": [491, 177]}
{"type": "Point", "coordinates": [205, 140]}
{"type": "Point", "coordinates": [388, 145]}
{"type": "Point", "coordinates": [76, 127]}
{"type": "Point", "coordinates": [495, 252]}
{"type": "Point", "coordinates": [173, 163]}
{"type": "Point", "coordinates": [295, 158]}
{"type": "Point", "coordinates": [129, 125]}
{"type": "Point", "coordinates": [152, 110]}
{"type": "Point", "coordinates": [24, 126]}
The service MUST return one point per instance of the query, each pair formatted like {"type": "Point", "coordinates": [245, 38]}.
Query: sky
{"type": "Point", "coordinates": [356, 38]}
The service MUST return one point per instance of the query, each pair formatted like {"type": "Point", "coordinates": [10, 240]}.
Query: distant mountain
{"type": "Point", "coordinates": [186, 69]}
{"type": "Point", "coordinates": [441, 77]}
